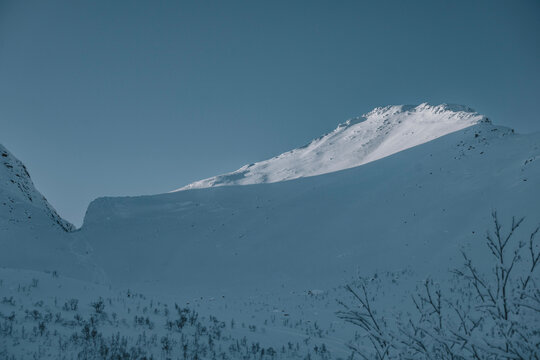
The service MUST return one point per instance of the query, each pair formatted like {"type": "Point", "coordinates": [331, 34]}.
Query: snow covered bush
{"type": "Point", "coordinates": [478, 314]}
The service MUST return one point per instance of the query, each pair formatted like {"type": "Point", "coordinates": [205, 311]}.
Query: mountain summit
{"type": "Point", "coordinates": [382, 132]}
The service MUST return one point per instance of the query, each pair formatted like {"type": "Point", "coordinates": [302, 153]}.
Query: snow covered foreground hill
{"type": "Point", "coordinates": [262, 265]}
{"type": "Point", "coordinates": [382, 132]}
{"type": "Point", "coordinates": [414, 209]}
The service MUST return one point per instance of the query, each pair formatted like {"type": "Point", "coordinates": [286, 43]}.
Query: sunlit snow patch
{"type": "Point", "coordinates": [382, 132]}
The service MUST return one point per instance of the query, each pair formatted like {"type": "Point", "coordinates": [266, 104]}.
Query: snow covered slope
{"type": "Point", "coordinates": [53, 317]}
{"type": "Point", "coordinates": [380, 133]}
{"type": "Point", "coordinates": [413, 210]}
{"type": "Point", "coordinates": [32, 234]}
{"type": "Point", "coordinates": [19, 199]}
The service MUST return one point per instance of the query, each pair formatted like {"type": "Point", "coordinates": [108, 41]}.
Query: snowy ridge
{"type": "Point", "coordinates": [382, 132]}
{"type": "Point", "coordinates": [19, 199]}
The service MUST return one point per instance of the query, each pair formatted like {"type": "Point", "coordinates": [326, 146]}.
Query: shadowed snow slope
{"type": "Point", "coordinates": [414, 209]}
{"type": "Point", "coordinates": [382, 132]}
{"type": "Point", "coordinates": [32, 234]}
{"type": "Point", "coordinates": [19, 197]}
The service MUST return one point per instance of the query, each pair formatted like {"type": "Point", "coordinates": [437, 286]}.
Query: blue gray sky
{"type": "Point", "coordinates": [104, 98]}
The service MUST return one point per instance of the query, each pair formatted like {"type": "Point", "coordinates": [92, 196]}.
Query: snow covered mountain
{"type": "Point", "coordinates": [380, 133]}
{"type": "Point", "coordinates": [414, 209]}
{"type": "Point", "coordinates": [268, 258]}
{"type": "Point", "coordinates": [19, 199]}
{"type": "Point", "coordinates": [32, 234]}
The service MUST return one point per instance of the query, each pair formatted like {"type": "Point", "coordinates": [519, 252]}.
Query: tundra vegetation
{"type": "Point", "coordinates": [486, 310]}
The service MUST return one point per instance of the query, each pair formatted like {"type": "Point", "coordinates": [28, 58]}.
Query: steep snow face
{"type": "Point", "coordinates": [19, 199]}
{"type": "Point", "coordinates": [380, 133]}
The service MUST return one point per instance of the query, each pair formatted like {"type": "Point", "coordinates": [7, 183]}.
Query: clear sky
{"type": "Point", "coordinates": [102, 98]}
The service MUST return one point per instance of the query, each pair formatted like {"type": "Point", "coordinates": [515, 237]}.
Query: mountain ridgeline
{"type": "Point", "coordinates": [382, 132]}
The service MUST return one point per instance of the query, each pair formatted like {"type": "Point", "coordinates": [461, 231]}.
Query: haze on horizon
{"type": "Point", "coordinates": [111, 98]}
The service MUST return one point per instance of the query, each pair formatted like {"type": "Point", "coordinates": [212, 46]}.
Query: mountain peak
{"type": "Point", "coordinates": [453, 112]}
{"type": "Point", "coordinates": [427, 109]}
{"type": "Point", "coordinates": [381, 132]}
